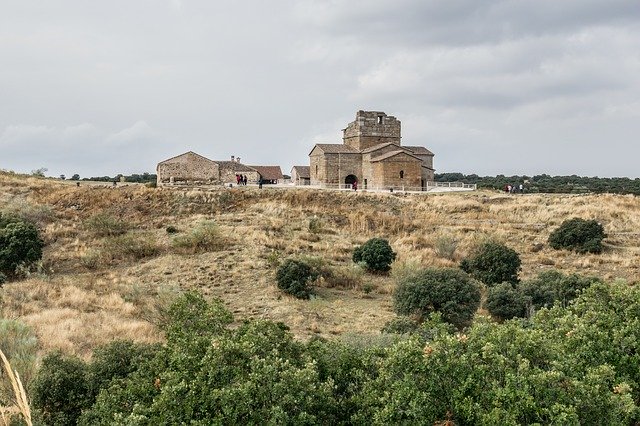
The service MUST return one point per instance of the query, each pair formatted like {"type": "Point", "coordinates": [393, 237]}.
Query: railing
{"type": "Point", "coordinates": [430, 186]}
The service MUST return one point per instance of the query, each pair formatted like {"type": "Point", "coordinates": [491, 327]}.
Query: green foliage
{"type": "Point", "coordinates": [445, 246]}
{"type": "Point", "coordinates": [205, 237]}
{"type": "Point", "coordinates": [104, 224]}
{"type": "Point", "coordinates": [135, 246]}
{"type": "Point", "coordinates": [493, 263]}
{"type": "Point", "coordinates": [19, 344]}
{"type": "Point", "coordinates": [3, 279]}
{"type": "Point", "coordinates": [116, 360]}
{"type": "Point", "coordinates": [568, 365]}
{"type": "Point", "coordinates": [60, 390]}
{"type": "Point", "coordinates": [376, 254]}
{"type": "Point", "coordinates": [20, 244]}
{"type": "Point", "coordinates": [579, 235]}
{"type": "Point", "coordinates": [171, 229]}
{"type": "Point", "coordinates": [448, 291]}
{"type": "Point", "coordinates": [294, 278]}
{"type": "Point", "coordinates": [505, 302]}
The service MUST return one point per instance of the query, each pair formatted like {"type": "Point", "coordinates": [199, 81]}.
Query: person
{"type": "Point", "coordinates": [521, 188]}
{"type": "Point", "coordinates": [260, 182]}
{"type": "Point", "coordinates": [355, 185]}
{"type": "Point", "coordinates": [244, 180]}
{"type": "Point", "coordinates": [237, 179]}
{"type": "Point", "coordinates": [508, 189]}
{"type": "Point", "coordinates": [77, 183]}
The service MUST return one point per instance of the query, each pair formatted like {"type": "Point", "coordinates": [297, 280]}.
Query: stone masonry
{"type": "Point", "coordinates": [371, 155]}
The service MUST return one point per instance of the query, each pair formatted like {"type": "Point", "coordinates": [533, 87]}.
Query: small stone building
{"type": "Point", "coordinates": [192, 168]}
{"type": "Point", "coordinates": [300, 175]}
{"type": "Point", "coordinates": [269, 174]}
{"type": "Point", "coordinates": [371, 155]}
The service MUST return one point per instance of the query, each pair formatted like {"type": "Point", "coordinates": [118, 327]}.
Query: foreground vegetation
{"type": "Point", "coordinates": [116, 260]}
{"type": "Point", "coordinates": [573, 365]}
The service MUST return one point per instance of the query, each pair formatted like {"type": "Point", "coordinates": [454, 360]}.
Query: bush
{"type": "Point", "coordinates": [493, 263]}
{"type": "Point", "coordinates": [505, 302]}
{"type": "Point", "coordinates": [105, 225]}
{"type": "Point", "coordinates": [20, 346]}
{"type": "Point", "coordinates": [448, 291]}
{"type": "Point", "coordinates": [60, 390]}
{"type": "Point", "coordinates": [376, 254]}
{"type": "Point", "coordinates": [294, 277]}
{"type": "Point", "coordinates": [579, 235]}
{"type": "Point", "coordinates": [20, 244]}
{"type": "Point", "coordinates": [204, 237]}
{"type": "Point", "coordinates": [445, 246]}
{"type": "Point", "coordinates": [551, 286]}
{"type": "Point", "coordinates": [131, 246]}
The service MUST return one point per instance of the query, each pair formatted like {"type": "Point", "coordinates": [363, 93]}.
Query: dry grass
{"type": "Point", "coordinates": [20, 406]}
{"type": "Point", "coordinates": [90, 298]}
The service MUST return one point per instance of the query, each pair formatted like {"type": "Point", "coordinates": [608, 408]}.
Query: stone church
{"type": "Point", "coordinates": [371, 155]}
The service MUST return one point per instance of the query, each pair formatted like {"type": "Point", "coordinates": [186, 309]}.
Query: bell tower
{"type": "Point", "coordinates": [371, 128]}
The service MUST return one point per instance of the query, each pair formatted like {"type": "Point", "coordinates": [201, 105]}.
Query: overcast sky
{"type": "Point", "coordinates": [491, 87]}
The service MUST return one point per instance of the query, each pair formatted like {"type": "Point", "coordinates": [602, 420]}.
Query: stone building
{"type": "Point", "coordinates": [192, 168]}
{"type": "Point", "coordinates": [300, 175]}
{"type": "Point", "coordinates": [371, 155]}
{"type": "Point", "coordinates": [269, 174]}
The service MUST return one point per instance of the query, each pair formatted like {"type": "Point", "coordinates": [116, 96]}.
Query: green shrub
{"type": "Point", "coordinates": [20, 244]}
{"type": "Point", "coordinates": [400, 325]}
{"type": "Point", "coordinates": [376, 254]}
{"type": "Point", "coordinates": [579, 235]}
{"type": "Point", "coordinates": [171, 229]}
{"type": "Point", "coordinates": [493, 263]}
{"type": "Point", "coordinates": [104, 225]}
{"type": "Point", "coordinates": [60, 390]}
{"type": "Point", "coordinates": [505, 302]}
{"type": "Point", "coordinates": [20, 346]}
{"type": "Point", "coordinates": [116, 360]}
{"type": "Point", "coordinates": [204, 237]}
{"type": "Point", "coordinates": [554, 286]}
{"type": "Point", "coordinates": [294, 277]}
{"type": "Point", "coordinates": [448, 291]}
{"type": "Point", "coordinates": [131, 246]}
{"type": "Point", "coordinates": [445, 246]}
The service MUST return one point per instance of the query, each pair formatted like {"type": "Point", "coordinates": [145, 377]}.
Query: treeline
{"type": "Point", "coordinates": [568, 365]}
{"type": "Point", "coordinates": [139, 178]}
{"type": "Point", "coordinates": [549, 184]}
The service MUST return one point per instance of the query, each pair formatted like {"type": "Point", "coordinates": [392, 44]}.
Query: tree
{"type": "Point", "coordinates": [579, 235]}
{"type": "Point", "coordinates": [75, 177]}
{"type": "Point", "coordinates": [505, 302]}
{"type": "Point", "coordinates": [60, 390]}
{"type": "Point", "coordinates": [493, 263]}
{"type": "Point", "coordinates": [20, 244]}
{"type": "Point", "coordinates": [376, 254]}
{"type": "Point", "coordinates": [448, 291]}
{"type": "Point", "coordinates": [294, 277]}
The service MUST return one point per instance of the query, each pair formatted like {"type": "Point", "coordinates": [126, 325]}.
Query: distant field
{"type": "Point", "coordinates": [95, 287]}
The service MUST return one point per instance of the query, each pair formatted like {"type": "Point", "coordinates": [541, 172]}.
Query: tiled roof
{"type": "Point", "coordinates": [181, 155]}
{"type": "Point", "coordinates": [303, 171]}
{"type": "Point", "coordinates": [419, 150]}
{"type": "Point", "coordinates": [269, 172]}
{"type": "Point", "coordinates": [393, 154]}
{"type": "Point", "coordinates": [336, 148]}
{"type": "Point", "coordinates": [234, 166]}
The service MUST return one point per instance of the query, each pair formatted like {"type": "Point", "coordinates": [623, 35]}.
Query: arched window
{"type": "Point", "coordinates": [401, 174]}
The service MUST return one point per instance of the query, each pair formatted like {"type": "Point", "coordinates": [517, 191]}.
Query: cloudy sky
{"type": "Point", "coordinates": [491, 87]}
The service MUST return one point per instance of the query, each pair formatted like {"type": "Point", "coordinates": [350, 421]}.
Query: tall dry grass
{"type": "Point", "coordinates": [20, 403]}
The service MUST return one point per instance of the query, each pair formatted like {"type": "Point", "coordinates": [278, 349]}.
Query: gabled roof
{"type": "Point", "coordinates": [419, 150]}
{"type": "Point", "coordinates": [335, 148]}
{"type": "Point", "coordinates": [269, 172]}
{"type": "Point", "coordinates": [393, 154]}
{"type": "Point", "coordinates": [234, 166]}
{"type": "Point", "coordinates": [302, 171]}
{"type": "Point", "coordinates": [384, 145]}
{"type": "Point", "coordinates": [182, 155]}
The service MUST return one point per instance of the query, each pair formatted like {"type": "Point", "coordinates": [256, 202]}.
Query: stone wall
{"type": "Point", "coordinates": [387, 173]}
{"type": "Point", "coordinates": [371, 128]}
{"type": "Point", "coordinates": [338, 166]}
{"type": "Point", "coordinates": [187, 168]}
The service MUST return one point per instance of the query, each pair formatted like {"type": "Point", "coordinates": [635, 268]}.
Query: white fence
{"type": "Point", "coordinates": [430, 187]}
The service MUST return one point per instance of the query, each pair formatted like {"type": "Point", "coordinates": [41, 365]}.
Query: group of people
{"type": "Point", "coordinates": [241, 179]}
{"type": "Point", "coordinates": [513, 189]}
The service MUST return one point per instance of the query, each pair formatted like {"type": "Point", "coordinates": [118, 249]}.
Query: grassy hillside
{"type": "Point", "coordinates": [110, 266]}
